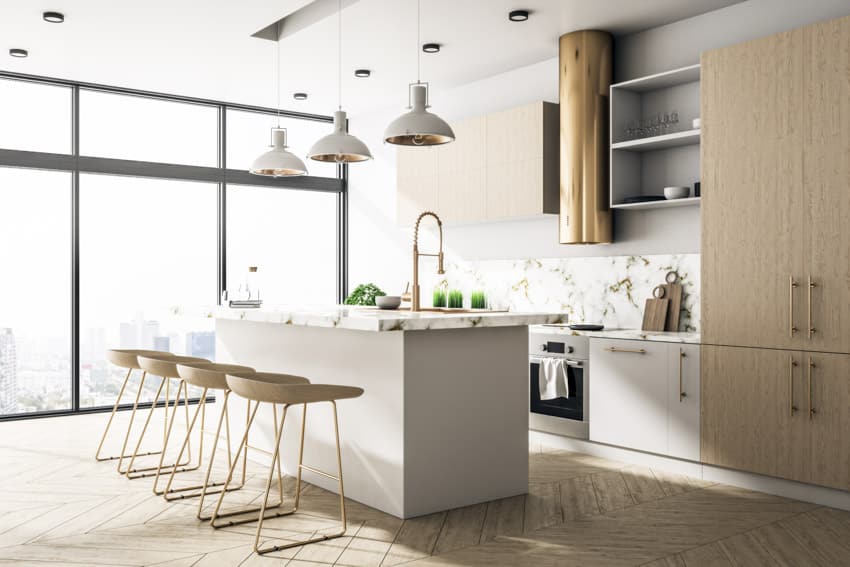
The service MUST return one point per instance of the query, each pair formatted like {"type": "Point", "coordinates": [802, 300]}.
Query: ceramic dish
{"type": "Point", "coordinates": [388, 301]}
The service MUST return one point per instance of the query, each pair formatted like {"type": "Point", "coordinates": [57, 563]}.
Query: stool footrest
{"type": "Point", "coordinates": [273, 548]}
{"type": "Point", "coordinates": [268, 516]}
{"type": "Point", "coordinates": [317, 471]}
{"type": "Point", "coordinates": [116, 457]}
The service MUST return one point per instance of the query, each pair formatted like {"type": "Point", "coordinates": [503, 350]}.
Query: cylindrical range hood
{"type": "Point", "coordinates": [585, 78]}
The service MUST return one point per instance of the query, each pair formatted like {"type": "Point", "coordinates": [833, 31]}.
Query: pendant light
{"type": "Point", "coordinates": [278, 162]}
{"type": "Point", "coordinates": [418, 127]}
{"type": "Point", "coordinates": [339, 146]}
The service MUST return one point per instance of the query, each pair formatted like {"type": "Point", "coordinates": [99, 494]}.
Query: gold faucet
{"type": "Point", "coordinates": [415, 301]}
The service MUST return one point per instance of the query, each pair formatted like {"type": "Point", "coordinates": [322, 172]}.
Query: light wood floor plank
{"type": "Point", "coordinates": [642, 484]}
{"type": "Point", "coordinates": [416, 539]}
{"type": "Point", "coordinates": [578, 498]}
{"type": "Point", "coordinates": [705, 556]}
{"type": "Point", "coordinates": [611, 491]}
{"type": "Point", "coordinates": [542, 506]}
{"type": "Point", "coordinates": [744, 550]}
{"type": "Point", "coordinates": [504, 517]}
{"type": "Point", "coordinates": [815, 535]}
{"type": "Point", "coordinates": [785, 549]}
{"type": "Point", "coordinates": [462, 528]}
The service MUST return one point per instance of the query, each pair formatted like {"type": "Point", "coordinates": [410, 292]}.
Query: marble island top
{"type": "Point", "coordinates": [371, 319]}
{"type": "Point", "coordinates": [625, 334]}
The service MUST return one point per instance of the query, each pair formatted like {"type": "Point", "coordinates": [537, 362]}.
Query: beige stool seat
{"type": "Point", "coordinates": [263, 388]}
{"type": "Point", "coordinates": [125, 358]}
{"type": "Point", "coordinates": [288, 390]}
{"type": "Point", "coordinates": [165, 367]}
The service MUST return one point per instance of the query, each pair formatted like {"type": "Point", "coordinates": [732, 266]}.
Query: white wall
{"type": "Point", "coordinates": [381, 252]}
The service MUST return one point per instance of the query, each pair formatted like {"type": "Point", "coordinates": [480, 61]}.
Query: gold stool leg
{"type": "Point", "coordinates": [97, 456]}
{"type": "Point", "coordinates": [217, 512]}
{"type": "Point", "coordinates": [133, 473]}
{"type": "Point", "coordinates": [130, 428]}
{"type": "Point", "coordinates": [184, 387]}
{"type": "Point", "coordinates": [323, 537]}
{"type": "Point", "coordinates": [223, 419]}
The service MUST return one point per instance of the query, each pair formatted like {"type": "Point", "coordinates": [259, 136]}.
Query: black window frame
{"type": "Point", "coordinates": [75, 164]}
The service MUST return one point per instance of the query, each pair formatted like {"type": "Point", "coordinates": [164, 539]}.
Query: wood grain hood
{"type": "Point", "coordinates": [585, 77]}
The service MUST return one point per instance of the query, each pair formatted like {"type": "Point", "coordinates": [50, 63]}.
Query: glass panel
{"type": "Point", "coordinates": [249, 135]}
{"type": "Point", "coordinates": [145, 129]}
{"type": "Point", "coordinates": [35, 291]}
{"type": "Point", "coordinates": [145, 246]}
{"type": "Point", "coordinates": [290, 236]}
{"type": "Point", "coordinates": [35, 117]}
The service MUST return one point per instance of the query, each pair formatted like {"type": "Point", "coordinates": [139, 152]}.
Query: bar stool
{"type": "Point", "coordinates": [125, 358]}
{"type": "Point", "coordinates": [205, 375]}
{"type": "Point", "coordinates": [243, 447]}
{"type": "Point", "coordinates": [166, 368]}
{"type": "Point", "coordinates": [274, 389]}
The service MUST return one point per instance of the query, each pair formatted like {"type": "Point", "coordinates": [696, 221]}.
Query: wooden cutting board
{"type": "Point", "coordinates": [655, 311]}
{"type": "Point", "coordinates": [673, 292]}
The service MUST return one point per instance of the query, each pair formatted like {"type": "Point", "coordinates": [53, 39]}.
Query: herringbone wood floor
{"type": "Point", "coordinates": [59, 507]}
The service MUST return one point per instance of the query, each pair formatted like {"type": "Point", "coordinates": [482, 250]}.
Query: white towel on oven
{"type": "Point", "coordinates": [553, 379]}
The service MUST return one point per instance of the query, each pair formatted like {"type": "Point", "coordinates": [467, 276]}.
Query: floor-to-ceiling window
{"type": "Point", "coordinates": [118, 206]}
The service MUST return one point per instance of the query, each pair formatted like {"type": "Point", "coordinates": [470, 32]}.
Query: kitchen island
{"type": "Point", "coordinates": [443, 422]}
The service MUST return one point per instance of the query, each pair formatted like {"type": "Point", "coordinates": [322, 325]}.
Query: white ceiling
{"type": "Point", "coordinates": [205, 48]}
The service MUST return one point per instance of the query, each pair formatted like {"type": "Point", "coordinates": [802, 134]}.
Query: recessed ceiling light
{"type": "Point", "coordinates": [300, 96]}
{"type": "Point", "coordinates": [518, 15]}
{"type": "Point", "coordinates": [363, 73]}
{"type": "Point", "coordinates": [16, 52]}
{"type": "Point", "coordinates": [53, 17]}
{"type": "Point", "coordinates": [431, 47]}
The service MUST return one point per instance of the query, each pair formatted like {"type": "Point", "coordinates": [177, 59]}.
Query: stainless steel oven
{"type": "Point", "coordinates": [566, 415]}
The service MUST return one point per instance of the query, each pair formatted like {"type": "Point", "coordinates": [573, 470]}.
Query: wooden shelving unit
{"type": "Point", "coordinates": [644, 166]}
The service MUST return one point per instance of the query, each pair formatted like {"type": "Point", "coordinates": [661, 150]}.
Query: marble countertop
{"type": "Point", "coordinates": [370, 319]}
{"type": "Point", "coordinates": [625, 334]}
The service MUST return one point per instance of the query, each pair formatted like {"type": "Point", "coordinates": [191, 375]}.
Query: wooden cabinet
{"type": "Point", "coordinates": [522, 161]}
{"type": "Point", "coordinates": [775, 174]}
{"type": "Point", "coordinates": [826, 184]}
{"type": "Point", "coordinates": [417, 183]}
{"type": "Point", "coordinates": [752, 236]}
{"type": "Point", "coordinates": [502, 165]}
{"type": "Point", "coordinates": [756, 413]}
{"type": "Point", "coordinates": [635, 396]}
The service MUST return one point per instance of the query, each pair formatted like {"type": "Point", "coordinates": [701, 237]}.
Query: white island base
{"type": "Point", "coordinates": [443, 422]}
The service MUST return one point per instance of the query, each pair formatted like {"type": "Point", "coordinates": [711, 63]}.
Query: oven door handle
{"type": "Point", "coordinates": [569, 362]}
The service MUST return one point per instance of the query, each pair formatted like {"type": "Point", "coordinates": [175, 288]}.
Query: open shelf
{"type": "Point", "coordinates": [667, 204]}
{"type": "Point", "coordinates": [661, 142]}
{"type": "Point", "coordinates": [644, 166]}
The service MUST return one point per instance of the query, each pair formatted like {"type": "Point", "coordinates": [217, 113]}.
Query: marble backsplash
{"type": "Point", "coordinates": [607, 290]}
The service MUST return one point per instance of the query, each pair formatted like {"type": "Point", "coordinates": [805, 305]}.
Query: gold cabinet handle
{"type": "Point", "coordinates": [811, 286]}
{"type": "Point", "coordinates": [792, 409]}
{"type": "Point", "coordinates": [682, 393]}
{"type": "Point", "coordinates": [629, 350]}
{"type": "Point", "coordinates": [792, 285]}
{"type": "Point", "coordinates": [812, 410]}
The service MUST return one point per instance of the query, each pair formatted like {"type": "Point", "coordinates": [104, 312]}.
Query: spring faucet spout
{"type": "Point", "coordinates": [415, 303]}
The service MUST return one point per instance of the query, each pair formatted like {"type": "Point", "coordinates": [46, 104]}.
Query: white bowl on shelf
{"type": "Point", "coordinates": [677, 192]}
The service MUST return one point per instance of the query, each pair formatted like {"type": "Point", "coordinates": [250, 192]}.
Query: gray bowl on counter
{"type": "Point", "coordinates": [388, 301]}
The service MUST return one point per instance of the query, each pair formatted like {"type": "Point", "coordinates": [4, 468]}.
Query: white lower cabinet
{"type": "Point", "coordinates": [683, 414]}
{"type": "Point", "coordinates": [635, 396]}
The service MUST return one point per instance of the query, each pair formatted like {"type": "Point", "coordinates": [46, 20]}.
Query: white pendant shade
{"type": "Point", "coordinates": [278, 162]}
{"type": "Point", "coordinates": [339, 146]}
{"type": "Point", "coordinates": [419, 127]}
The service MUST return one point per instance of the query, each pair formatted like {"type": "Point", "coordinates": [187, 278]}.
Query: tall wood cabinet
{"type": "Point", "coordinates": [783, 413]}
{"type": "Point", "coordinates": [776, 255]}
{"type": "Point", "coordinates": [776, 204]}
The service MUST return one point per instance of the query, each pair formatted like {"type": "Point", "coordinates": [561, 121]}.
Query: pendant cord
{"type": "Point", "coordinates": [277, 68]}
{"type": "Point", "coordinates": [418, 40]}
{"type": "Point", "coordinates": [339, 60]}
